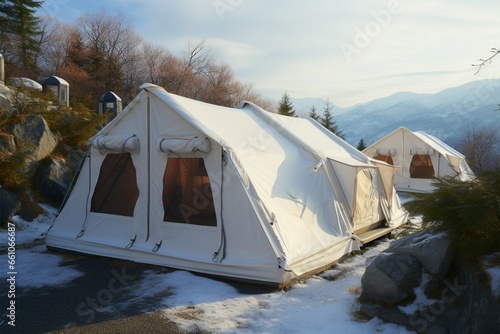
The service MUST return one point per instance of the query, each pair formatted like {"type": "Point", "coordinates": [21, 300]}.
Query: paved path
{"type": "Point", "coordinates": [102, 300]}
{"type": "Point", "coordinates": [98, 302]}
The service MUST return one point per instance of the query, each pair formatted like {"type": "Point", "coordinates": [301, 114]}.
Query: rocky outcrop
{"type": "Point", "coordinates": [52, 179]}
{"type": "Point", "coordinates": [35, 132]}
{"type": "Point", "coordinates": [452, 298]}
{"type": "Point", "coordinates": [49, 177]}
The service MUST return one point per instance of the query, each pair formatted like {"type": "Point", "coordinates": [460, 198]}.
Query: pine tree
{"type": "Point", "coordinates": [361, 145]}
{"type": "Point", "coordinates": [313, 114]}
{"type": "Point", "coordinates": [19, 31]}
{"type": "Point", "coordinates": [327, 120]}
{"type": "Point", "coordinates": [285, 106]}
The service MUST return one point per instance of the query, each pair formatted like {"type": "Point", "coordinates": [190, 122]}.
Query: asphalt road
{"type": "Point", "coordinates": [100, 301]}
{"type": "Point", "coordinates": [79, 306]}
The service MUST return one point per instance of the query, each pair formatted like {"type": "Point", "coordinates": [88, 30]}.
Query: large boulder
{"type": "Point", "coordinates": [34, 131]}
{"type": "Point", "coordinates": [390, 278]}
{"type": "Point", "coordinates": [52, 179]}
{"type": "Point", "coordinates": [432, 250]}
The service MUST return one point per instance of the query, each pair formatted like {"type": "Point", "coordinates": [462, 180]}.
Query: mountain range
{"type": "Point", "coordinates": [447, 114]}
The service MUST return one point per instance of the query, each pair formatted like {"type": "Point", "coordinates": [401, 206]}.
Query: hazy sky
{"type": "Point", "coordinates": [349, 51]}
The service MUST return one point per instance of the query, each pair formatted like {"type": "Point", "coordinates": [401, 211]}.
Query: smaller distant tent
{"type": "Point", "coordinates": [421, 158]}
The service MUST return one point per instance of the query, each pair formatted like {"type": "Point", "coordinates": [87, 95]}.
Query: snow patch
{"type": "Point", "coordinates": [36, 269]}
{"type": "Point", "coordinates": [421, 300]}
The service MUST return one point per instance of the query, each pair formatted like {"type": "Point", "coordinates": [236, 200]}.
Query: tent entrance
{"type": "Point", "coordinates": [187, 193]}
{"type": "Point", "coordinates": [367, 213]}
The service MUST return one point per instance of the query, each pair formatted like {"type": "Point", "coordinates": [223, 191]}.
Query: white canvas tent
{"type": "Point", "coordinates": [236, 192]}
{"type": "Point", "coordinates": [421, 158]}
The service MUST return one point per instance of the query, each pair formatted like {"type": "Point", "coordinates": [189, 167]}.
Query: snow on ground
{"type": "Point", "coordinates": [27, 232]}
{"type": "Point", "coordinates": [320, 304]}
{"type": "Point", "coordinates": [325, 303]}
{"type": "Point", "coordinates": [421, 300]}
{"type": "Point", "coordinates": [39, 269]}
{"type": "Point", "coordinates": [28, 260]}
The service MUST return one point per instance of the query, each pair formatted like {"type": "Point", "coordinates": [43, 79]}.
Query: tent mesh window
{"type": "Point", "coordinates": [384, 158]}
{"type": "Point", "coordinates": [187, 194]}
{"type": "Point", "coordinates": [421, 167]}
{"type": "Point", "coordinates": [116, 191]}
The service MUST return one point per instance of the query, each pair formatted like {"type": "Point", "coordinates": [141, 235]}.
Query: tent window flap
{"type": "Point", "coordinates": [187, 194]}
{"type": "Point", "coordinates": [116, 144]}
{"type": "Point", "coordinates": [196, 147]}
{"type": "Point", "coordinates": [116, 191]}
{"type": "Point", "coordinates": [421, 151]}
{"type": "Point", "coordinates": [386, 151]}
{"type": "Point", "coordinates": [421, 167]}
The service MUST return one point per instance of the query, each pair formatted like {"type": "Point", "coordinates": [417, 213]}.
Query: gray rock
{"type": "Point", "coordinates": [9, 204]}
{"type": "Point", "coordinates": [390, 278]}
{"type": "Point", "coordinates": [74, 159]}
{"type": "Point", "coordinates": [433, 251]}
{"type": "Point", "coordinates": [29, 209]}
{"type": "Point", "coordinates": [52, 179]}
{"type": "Point", "coordinates": [388, 314]}
{"type": "Point", "coordinates": [35, 131]}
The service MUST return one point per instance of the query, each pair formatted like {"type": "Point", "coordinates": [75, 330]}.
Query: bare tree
{"type": "Point", "coordinates": [153, 59]}
{"type": "Point", "coordinates": [481, 148]}
{"type": "Point", "coordinates": [195, 64]}
{"type": "Point", "coordinates": [113, 49]}
{"type": "Point", "coordinates": [483, 62]}
{"type": "Point", "coordinates": [160, 67]}
{"type": "Point", "coordinates": [55, 43]}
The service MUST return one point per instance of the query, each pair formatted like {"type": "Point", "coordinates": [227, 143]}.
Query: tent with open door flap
{"type": "Point", "coordinates": [235, 192]}
{"type": "Point", "coordinates": [420, 157]}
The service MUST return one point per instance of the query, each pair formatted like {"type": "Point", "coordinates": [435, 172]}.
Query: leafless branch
{"type": "Point", "coordinates": [486, 61]}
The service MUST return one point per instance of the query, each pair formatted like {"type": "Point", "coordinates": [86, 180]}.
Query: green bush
{"type": "Point", "coordinates": [468, 210]}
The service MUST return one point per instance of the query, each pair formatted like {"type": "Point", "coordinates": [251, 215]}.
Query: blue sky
{"type": "Point", "coordinates": [349, 51]}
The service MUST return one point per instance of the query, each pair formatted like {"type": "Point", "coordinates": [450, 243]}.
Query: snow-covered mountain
{"type": "Point", "coordinates": [446, 114]}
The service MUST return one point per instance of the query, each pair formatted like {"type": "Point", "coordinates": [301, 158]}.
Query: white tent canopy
{"type": "Point", "coordinates": [420, 157]}
{"type": "Point", "coordinates": [236, 192]}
